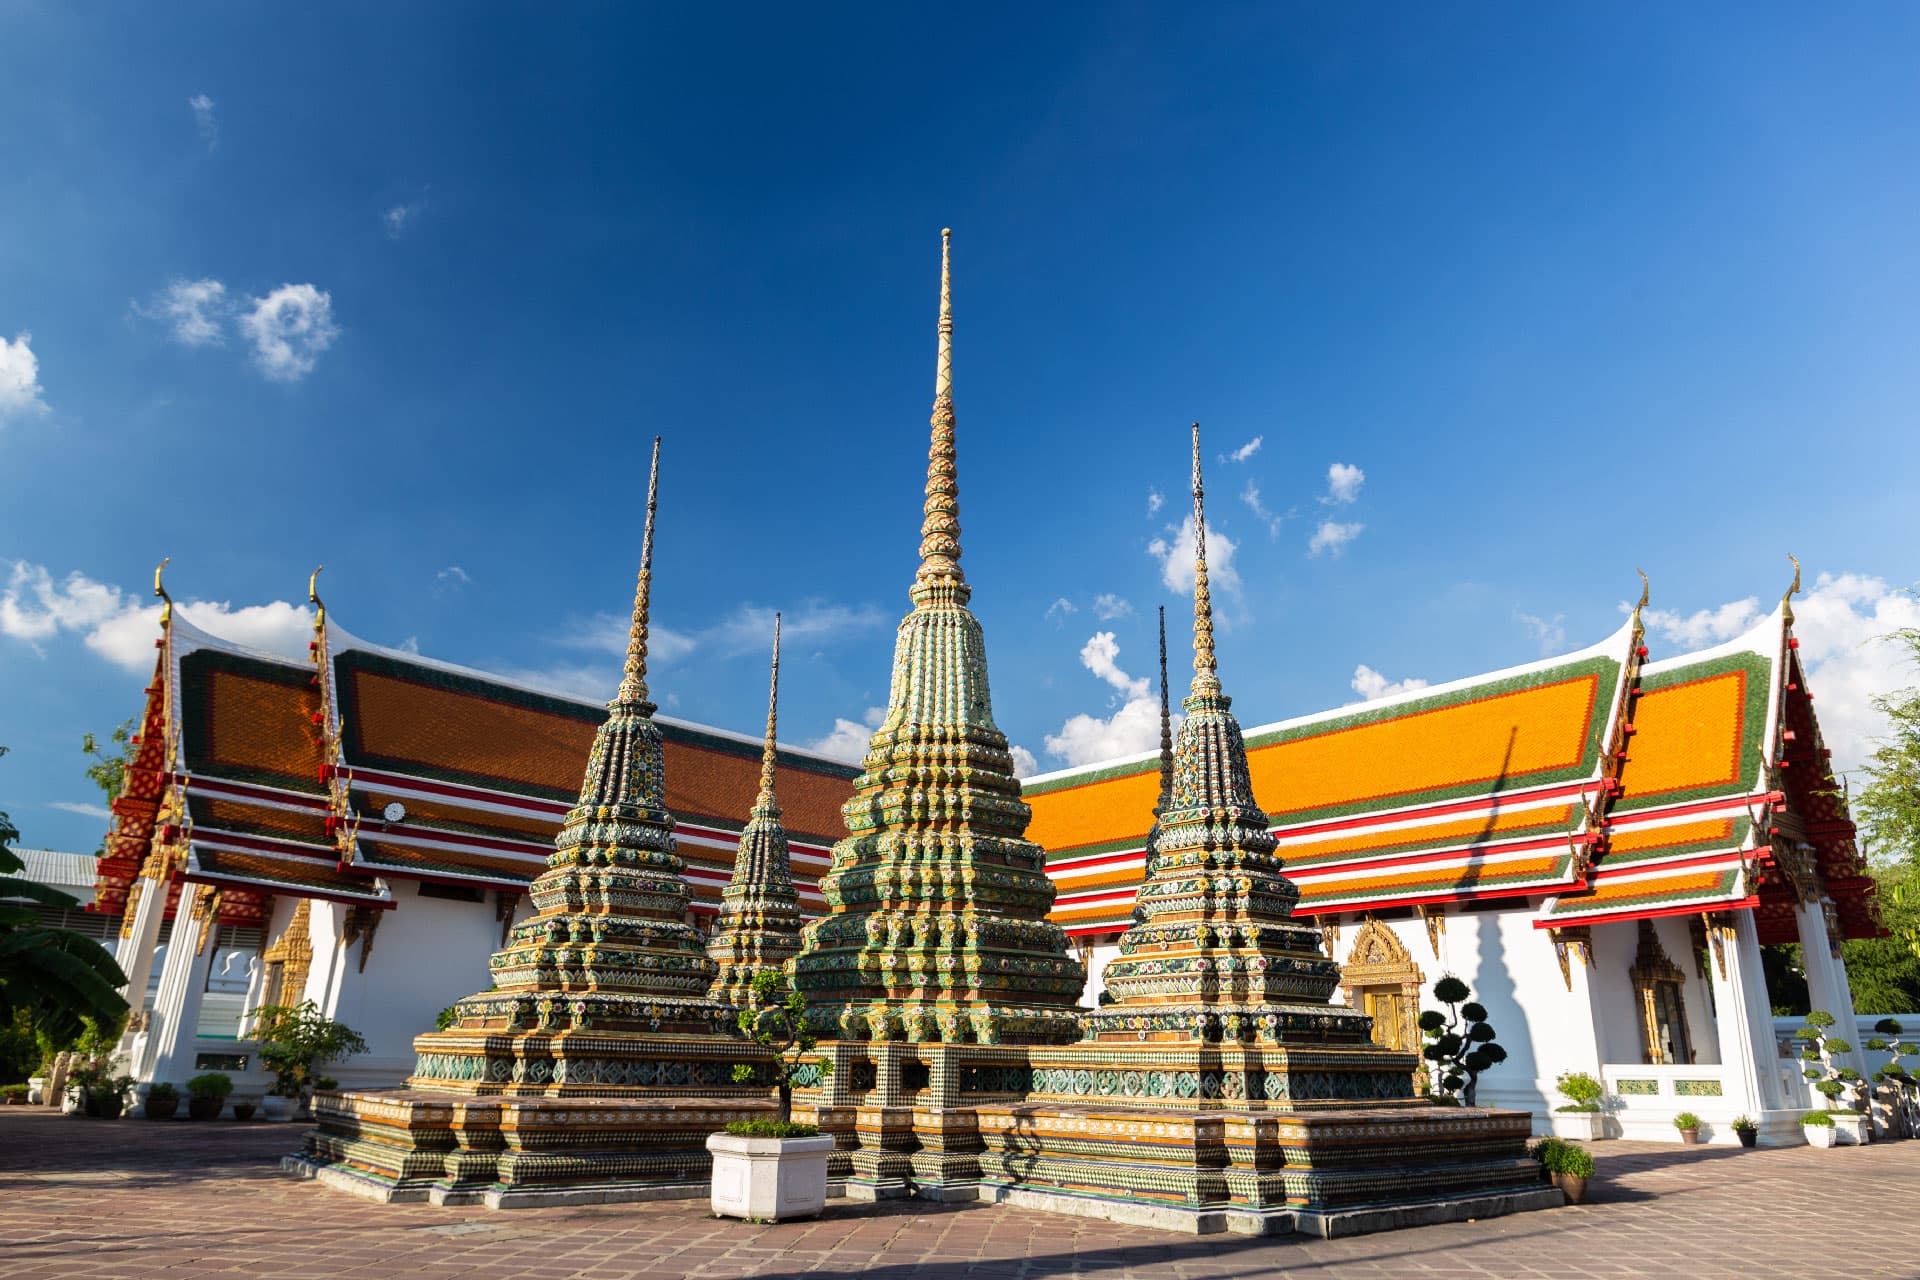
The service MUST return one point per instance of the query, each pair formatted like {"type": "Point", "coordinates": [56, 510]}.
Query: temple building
{"type": "Point", "coordinates": [1598, 843]}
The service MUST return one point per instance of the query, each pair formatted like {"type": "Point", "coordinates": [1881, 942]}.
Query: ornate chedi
{"type": "Point", "coordinates": [936, 928]}
{"type": "Point", "coordinates": [759, 922]}
{"type": "Point", "coordinates": [1215, 952]}
{"type": "Point", "coordinates": [599, 1062]}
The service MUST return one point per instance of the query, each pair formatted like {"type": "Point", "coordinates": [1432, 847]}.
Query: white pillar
{"type": "Point", "coordinates": [134, 955]}
{"type": "Point", "coordinates": [1827, 986]}
{"type": "Point", "coordinates": [1743, 1018]}
{"type": "Point", "coordinates": [183, 980]}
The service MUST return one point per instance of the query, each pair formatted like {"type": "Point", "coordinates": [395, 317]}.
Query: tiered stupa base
{"type": "Point", "coordinates": [511, 1120]}
{"type": "Point", "coordinates": [1184, 1136]}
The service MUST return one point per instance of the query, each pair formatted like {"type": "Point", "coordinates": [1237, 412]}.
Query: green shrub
{"type": "Point", "coordinates": [1581, 1090]}
{"type": "Point", "coordinates": [1818, 1119]}
{"type": "Point", "coordinates": [772, 1129]}
{"type": "Point", "coordinates": [162, 1092]}
{"type": "Point", "coordinates": [13, 1091]}
{"type": "Point", "coordinates": [1558, 1156]}
{"type": "Point", "coordinates": [1744, 1124]}
{"type": "Point", "coordinates": [214, 1084]}
{"type": "Point", "coordinates": [1686, 1120]}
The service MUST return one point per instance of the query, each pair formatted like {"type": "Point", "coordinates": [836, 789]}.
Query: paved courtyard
{"type": "Point", "coordinates": [134, 1198]}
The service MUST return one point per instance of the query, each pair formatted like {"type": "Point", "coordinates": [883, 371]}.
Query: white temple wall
{"type": "Point", "coordinates": [1105, 951]}
{"type": "Point", "coordinates": [427, 953]}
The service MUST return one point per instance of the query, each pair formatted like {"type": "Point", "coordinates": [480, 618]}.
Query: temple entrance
{"type": "Point", "coordinates": [1382, 981]}
{"type": "Point", "coordinates": [1657, 984]}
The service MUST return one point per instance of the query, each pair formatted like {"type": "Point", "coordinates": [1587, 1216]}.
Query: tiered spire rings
{"type": "Point", "coordinates": [937, 903]}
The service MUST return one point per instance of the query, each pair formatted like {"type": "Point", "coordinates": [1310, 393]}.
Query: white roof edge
{"type": "Point", "coordinates": [187, 638]}
{"type": "Point", "coordinates": [1615, 643]}
{"type": "Point", "coordinates": [340, 640]}
{"type": "Point", "coordinates": [1762, 638]}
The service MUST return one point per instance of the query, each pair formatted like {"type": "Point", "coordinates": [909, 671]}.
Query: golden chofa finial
{"type": "Point", "coordinates": [1205, 665]}
{"type": "Point", "coordinates": [1786, 601]}
{"type": "Point", "coordinates": [633, 681]}
{"type": "Point", "coordinates": [313, 597]}
{"type": "Point", "coordinates": [1646, 590]}
{"type": "Point", "coordinates": [160, 590]}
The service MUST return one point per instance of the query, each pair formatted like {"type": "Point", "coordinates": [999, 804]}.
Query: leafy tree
{"type": "Point", "coordinates": [777, 1019]}
{"type": "Point", "coordinates": [108, 770]}
{"type": "Point", "coordinates": [297, 1038]}
{"type": "Point", "coordinates": [1460, 1043]}
{"type": "Point", "coordinates": [56, 977]}
{"type": "Point", "coordinates": [1888, 811]}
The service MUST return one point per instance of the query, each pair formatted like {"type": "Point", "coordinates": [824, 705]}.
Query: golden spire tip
{"type": "Point", "coordinates": [633, 681]}
{"type": "Point", "coordinates": [1205, 665]}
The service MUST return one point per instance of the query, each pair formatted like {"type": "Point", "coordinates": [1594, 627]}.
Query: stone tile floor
{"type": "Point", "coordinates": [135, 1198]}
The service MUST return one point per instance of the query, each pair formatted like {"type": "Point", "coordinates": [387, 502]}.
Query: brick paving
{"type": "Point", "coordinates": [135, 1198]}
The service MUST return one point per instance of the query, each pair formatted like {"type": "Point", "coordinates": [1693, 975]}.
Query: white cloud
{"type": "Point", "coordinates": [1705, 626]}
{"type": "Point", "coordinates": [1273, 520]}
{"type": "Point", "coordinates": [1057, 611]}
{"type": "Point", "coordinates": [1549, 633]}
{"type": "Point", "coordinates": [397, 218]}
{"type": "Point", "coordinates": [848, 739]}
{"type": "Point", "coordinates": [21, 394]}
{"type": "Point", "coordinates": [747, 630]}
{"type": "Point", "coordinates": [196, 309]}
{"type": "Point", "coordinates": [1370, 684]}
{"type": "Point", "coordinates": [121, 628]}
{"type": "Point", "coordinates": [1333, 536]}
{"type": "Point", "coordinates": [1107, 607]}
{"type": "Point", "coordinates": [1175, 554]}
{"type": "Point", "coordinates": [1154, 503]}
{"type": "Point", "coordinates": [1132, 728]}
{"type": "Point", "coordinates": [1343, 482]}
{"type": "Point", "coordinates": [1024, 764]}
{"type": "Point", "coordinates": [204, 119]}
{"type": "Point", "coordinates": [410, 645]}
{"type": "Point", "coordinates": [289, 328]}
{"type": "Point", "coordinates": [595, 682]}
{"type": "Point", "coordinates": [99, 811]}
{"type": "Point", "coordinates": [1248, 449]}
{"type": "Point", "coordinates": [452, 578]}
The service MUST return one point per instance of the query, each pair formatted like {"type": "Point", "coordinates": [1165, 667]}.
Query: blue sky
{"type": "Point", "coordinates": [407, 290]}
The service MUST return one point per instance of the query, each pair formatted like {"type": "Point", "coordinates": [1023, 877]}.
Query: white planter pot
{"type": "Point", "coordinates": [1819, 1135]}
{"type": "Point", "coordinates": [37, 1091]}
{"type": "Point", "coordinates": [769, 1178]}
{"type": "Point", "coordinates": [1850, 1128]}
{"type": "Point", "coordinates": [277, 1108]}
{"type": "Point", "coordinates": [1579, 1126]}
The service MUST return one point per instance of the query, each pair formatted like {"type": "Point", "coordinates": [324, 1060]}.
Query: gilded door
{"type": "Point", "coordinates": [1389, 1009]}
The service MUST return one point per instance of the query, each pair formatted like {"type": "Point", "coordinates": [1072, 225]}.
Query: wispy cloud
{"type": "Point", "coordinates": [1132, 727]}
{"type": "Point", "coordinates": [36, 609]}
{"type": "Point", "coordinates": [1549, 633]}
{"type": "Point", "coordinates": [289, 329]}
{"type": "Point", "coordinates": [1154, 502]}
{"type": "Point", "coordinates": [1704, 626]}
{"type": "Point", "coordinates": [396, 219]}
{"type": "Point", "coordinates": [1175, 554]}
{"type": "Point", "coordinates": [1107, 607]}
{"type": "Point", "coordinates": [746, 630]}
{"type": "Point", "coordinates": [1343, 483]}
{"type": "Point", "coordinates": [1333, 536]}
{"type": "Point", "coordinates": [204, 119]}
{"type": "Point", "coordinates": [1245, 451]}
{"type": "Point", "coordinates": [1370, 684]}
{"type": "Point", "coordinates": [847, 740]}
{"type": "Point", "coordinates": [1272, 519]}
{"type": "Point", "coordinates": [21, 395]}
{"type": "Point", "coordinates": [450, 580]}
{"type": "Point", "coordinates": [1058, 612]}
{"type": "Point", "coordinates": [195, 310]}
{"type": "Point", "coordinates": [99, 811]}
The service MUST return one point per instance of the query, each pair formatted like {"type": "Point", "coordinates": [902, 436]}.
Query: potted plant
{"type": "Point", "coordinates": [766, 1170]}
{"type": "Point", "coordinates": [207, 1095]}
{"type": "Point", "coordinates": [1818, 1126]}
{"type": "Point", "coordinates": [1835, 1083]}
{"type": "Point", "coordinates": [14, 1095]}
{"type": "Point", "coordinates": [243, 1109]}
{"type": "Point", "coordinates": [294, 1039]}
{"type": "Point", "coordinates": [163, 1100]}
{"type": "Point", "coordinates": [97, 1091]}
{"type": "Point", "coordinates": [1581, 1117]}
{"type": "Point", "coordinates": [1568, 1166]}
{"type": "Point", "coordinates": [1689, 1126]}
{"type": "Point", "coordinates": [1746, 1130]}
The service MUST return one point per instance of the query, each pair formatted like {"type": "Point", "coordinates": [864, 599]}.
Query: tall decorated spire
{"type": "Point", "coordinates": [609, 946]}
{"type": "Point", "coordinates": [937, 902]}
{"type": "Point", "coordinates": [1214, 952]}
{"type": "Point", "coordinates": [633, 681]}
{"type": "Point", "coordinates": [759, 922]}
{"type": "Point", "coordinates": [1166, 728]}
{"type": "Point", "coordinates": [940, 528]}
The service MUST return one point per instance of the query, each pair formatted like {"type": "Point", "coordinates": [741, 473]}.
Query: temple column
{"type": "Point", "coordinates": [1827, 986]}
{"type": "Point", "coordinates": [1743, 1015]}
{"type": "Point", "coordinates": [169, 1048]}
{"type": "Point", "coordinates": [139, 938]}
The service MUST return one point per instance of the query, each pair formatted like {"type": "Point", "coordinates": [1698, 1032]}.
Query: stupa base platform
{"type": "Point", "coordinates": [400, 1145]}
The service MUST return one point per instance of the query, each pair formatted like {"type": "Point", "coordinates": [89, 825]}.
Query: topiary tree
{"type": "Point", "coordinates": [1460, 1043]}
{"type": "Point", "coordinates": [1817, 1049]}
{"type": "Point", "coordinates": [777, 1020]}
{"type": "Point", "coordinates": [1894, 1076]}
